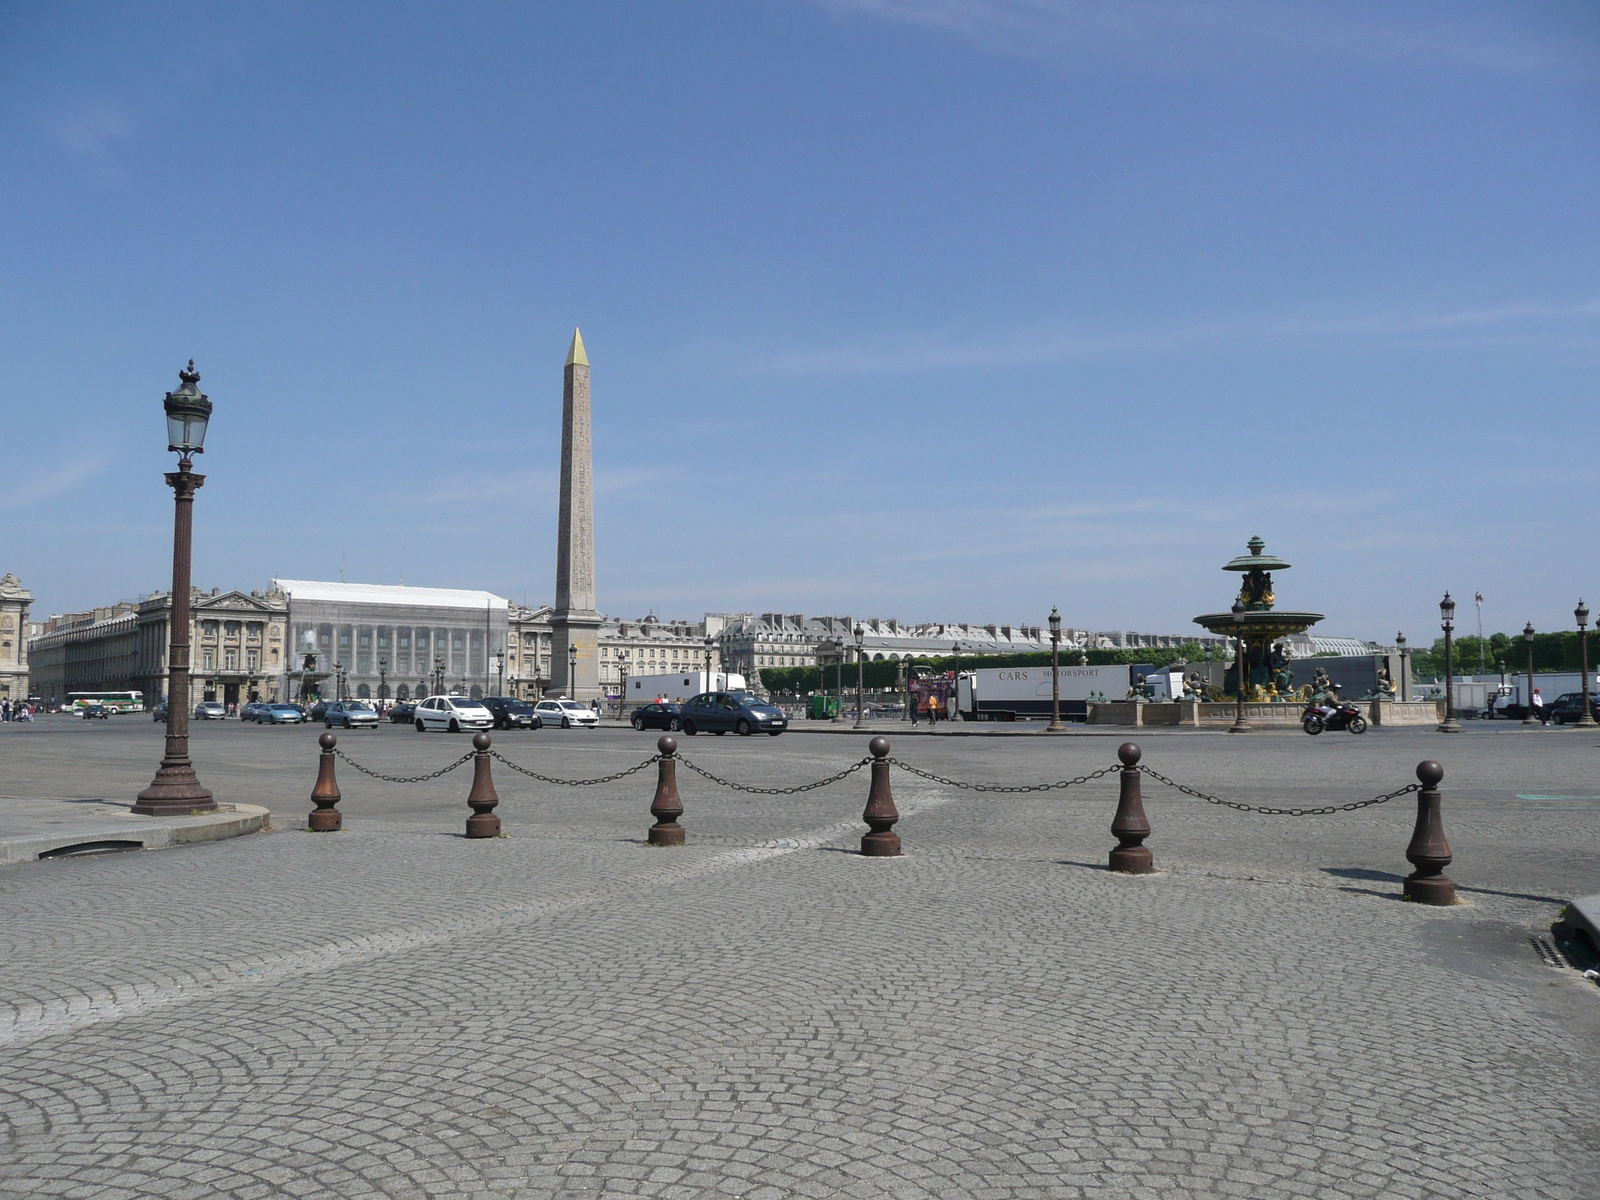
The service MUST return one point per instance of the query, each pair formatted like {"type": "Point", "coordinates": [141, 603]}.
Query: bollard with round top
{"type": "Point", "coordinates": [1130, 825]}
{"type": "Point", "coordinates": [482, 798]}
{"type": "Point", "coordinates": [666, 808]}
{"type": "Point", "coordinates": [325, 818]}
{"type": "Point", "coordinates": [880, 813]}
{"type": "Point", "coordinates": [1428, 851]}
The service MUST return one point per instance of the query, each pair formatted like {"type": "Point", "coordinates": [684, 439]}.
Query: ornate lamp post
{"type": "Point", "coordinates": [572, 671]}
{"type": "Point", "coordinates": [1582, 614]}
{"type": "Point", "coordinates": [383, 680]}
{"type": "Point", "coordinates": [1402, 686]}
{"type": "Point", "coordinates": [438, 675]}
{"type": "Point", "coordinates": [1240, 724]}
{"type": "Point", "coordinates": [500, 671]}
{"type": "Point", "coordinates": [861, 677]}
{"type": "Point", "coordinates": [1447, 622]}
{"type": "Point", "coordinates": [622, 672]}
{"type": "Point", "coordinates": [710, 686]}
{"type": "Point", "coordinates": [1527, 636]}
{"type": "Point", "coordinates": [176, 789]}
{"type": "Point", "coordinates": [1055, 725]}
{"type": "Point", "coordinates": [338, 681]}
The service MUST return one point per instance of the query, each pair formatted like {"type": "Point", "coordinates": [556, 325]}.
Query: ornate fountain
{"type": "Point", "coordinates": [1258, 626]}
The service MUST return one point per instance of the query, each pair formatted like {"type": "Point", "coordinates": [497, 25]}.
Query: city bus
{"type": "Point", "coordinates": [116, 701]}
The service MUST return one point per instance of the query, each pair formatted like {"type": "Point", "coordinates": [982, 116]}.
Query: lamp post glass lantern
{"type": "Point", "coordinates": [1055, 725]}
{"type": "Point", "coordinates": [176, 789]}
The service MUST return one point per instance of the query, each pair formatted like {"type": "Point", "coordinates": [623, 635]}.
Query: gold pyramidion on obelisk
{"type": "Point", "coordinates": [575, 624]}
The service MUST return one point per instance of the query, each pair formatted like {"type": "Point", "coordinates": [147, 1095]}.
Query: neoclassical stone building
{"type": "Point", "coordinates": [236, 644]}
{"type": "Point", "coordinates": [14, 602]}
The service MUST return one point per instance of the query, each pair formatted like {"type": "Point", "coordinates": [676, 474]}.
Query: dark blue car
{"type": "Point", "coordinates": [736, 712]}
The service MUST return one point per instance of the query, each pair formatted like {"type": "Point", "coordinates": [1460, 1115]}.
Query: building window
{"type": "Point", "coordinates": [208, 660]}
{"type": "Point", "coordinates": [230, 660]}
{"type": "Point", "coordinates": [252, 659]}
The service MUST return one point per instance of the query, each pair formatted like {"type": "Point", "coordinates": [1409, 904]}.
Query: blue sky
{"type": "Point", "coordinates": [936, 309]}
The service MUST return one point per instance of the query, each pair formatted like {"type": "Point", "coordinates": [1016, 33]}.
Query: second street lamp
{"type": "Point", "coordinates": [1527, 637]}
{"type": "Point", "coordinates": [1055, 725]}
{"type": "Point", "coordinates": [1447, 622]}
{"type": "Point", "coordinates": [1402, 687]}
{"type": "Point", "coordinates": [1582, 615]}
{"type": "Point", "coordinates": [176, 789]}
{"type": "Point", "coordinates": [861, 675]}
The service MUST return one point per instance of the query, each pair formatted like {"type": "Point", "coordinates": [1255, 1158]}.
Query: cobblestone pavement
{"type": "Point", "coordinates": [564, 1012]}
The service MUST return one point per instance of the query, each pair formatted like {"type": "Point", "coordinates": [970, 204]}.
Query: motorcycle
{"type": "Point", "coordinates": [1334, 716]}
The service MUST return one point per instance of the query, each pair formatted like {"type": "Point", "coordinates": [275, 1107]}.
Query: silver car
{"type": "Point", "coordinates": [350, 714]}
{"type": "Point", "coordinates": [210, 710]}
{"type": "Point", "coordinates": [567, 714]}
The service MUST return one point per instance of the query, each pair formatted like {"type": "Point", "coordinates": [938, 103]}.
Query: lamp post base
{"type": "Point", "coordinates": [1587, 722]}
{"type": "Point", "coordinates": [176, 791]}
{"type": "Point", "coordinates": [1530, 720]}
{"type": "Point", "coordinates": [1449, 725]}
{"type": "Point", "coordinates": [1055, 727]}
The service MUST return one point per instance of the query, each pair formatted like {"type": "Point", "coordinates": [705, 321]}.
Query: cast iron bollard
{"type": "Point", "coordinates": [1130, 825]}
{"type": "Point", "coordinates": [1428, 851]}
{"type": "Point", "coordinates": [482, 798]}
{"type": "Point", "coordinates": [325, 817]}
{"type": "Point", "coordinates": [880, 813]}
{"type": "Point", "coordinates": [666, 808]}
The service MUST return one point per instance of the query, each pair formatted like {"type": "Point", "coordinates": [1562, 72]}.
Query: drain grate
{"type": "Point", "coordinates": [1551, 952]}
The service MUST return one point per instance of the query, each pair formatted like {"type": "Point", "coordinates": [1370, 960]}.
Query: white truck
{"type": "Point", "coordinates": [1012, 693]}
{"type": "Point", "coordinates": [643, 689]}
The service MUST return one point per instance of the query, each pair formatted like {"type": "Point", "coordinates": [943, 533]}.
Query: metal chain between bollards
{"type": "Point", "coordinates": [1000, 787]}
{"type": "Point", "coordinates": [1265, 810]}
{"type": "Point", "coordinates": [778, 791]}
{"type": "Point", "coordinates": [654, 758]}
{"type": "Point", "coordinates": [405, 778]}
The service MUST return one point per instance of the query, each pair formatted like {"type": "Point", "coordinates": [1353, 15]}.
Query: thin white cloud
{"type": "Point", "coordinates": [43, 484]}
{"type": "Point", "coordinates": [1526, 323]}
{"type": "Point", "coordinates": [1193, 32]}
{"type": "Point", "coordinates": [88, 127]}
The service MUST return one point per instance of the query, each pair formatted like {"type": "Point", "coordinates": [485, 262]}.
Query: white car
{"type": "Point", "coordinates": [566, 713]}
{"type": "Point", "coordinates": [453, 713]}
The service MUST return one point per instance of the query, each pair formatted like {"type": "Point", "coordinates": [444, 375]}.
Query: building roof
{"type": "Point", "coordinates": [388, 593]}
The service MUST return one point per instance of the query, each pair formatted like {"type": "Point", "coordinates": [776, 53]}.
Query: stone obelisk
{"type": "Point", "coordinates": [575, 624]}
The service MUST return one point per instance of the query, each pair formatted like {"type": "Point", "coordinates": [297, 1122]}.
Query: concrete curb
{"type": "Point", "coordinates": [107, 832]}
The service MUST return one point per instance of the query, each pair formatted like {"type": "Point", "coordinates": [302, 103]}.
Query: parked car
{"type": "Point", "coordinates": [740, 712]}
{"type": "Point", "coordinates": [95, 712]}
{"type": "Point", "coordinates": [452, 713]}
{"type": "Point", "coordinates": [247, 712]}
{"type": "Point", "coordinates": [350, 714]}
{"type": "Point", "coordinates": [159, 712]}
{"type": "Point", "coordinates": [1568, 707]}
{"type": "Point", "coordinates": [210, 710]}
{"type": "Point", "coordinates": [400, 714]}
{"type": "Point", "coordinates": [511, 713]}
{"type": "Point", "coordinates": [658, 716]}
{"type": "Point", "coordinates": [566, 713]}
{"type": "Point", "coordinates": [318, 710]}
{"type": "Point", "coordinates": [279, 714]}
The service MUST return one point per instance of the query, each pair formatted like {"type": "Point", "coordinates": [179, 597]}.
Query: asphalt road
{"type": "Point", "coordinates": [394, 1010]}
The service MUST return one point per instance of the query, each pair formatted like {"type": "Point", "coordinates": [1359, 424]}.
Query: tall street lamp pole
{"type": "Point", "coordinates": [861, 676]}
{"type": "Point", "coordinates": [710, 685]}
{"type": "Point", "coordinates": [1447, 622]}
{"type": "Point", "coordinates": [1582, 614]}
{"type": "Point", "coordinates": [572, 671]}
{"type": "Point", "coordinates": [1402, 685]}
{"type": "Point", "coordinates": [1240, 725]}
{"type": "Point", "coordinates": [838, 677]}
{"type": "Point", "coordinates": [622, 671]}
{"type": "Point", "coordinates": [176, 789]}
{"type": "Point", "coordinates": [383, 680]}
{"type": "Point", "coordinates": [1527, 636]}
{"type": "Point", "coordinates": [1055, 725]}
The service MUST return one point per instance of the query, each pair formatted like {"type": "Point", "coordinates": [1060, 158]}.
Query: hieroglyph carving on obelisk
{"type": "Point", "coordinates": [575, 623]}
